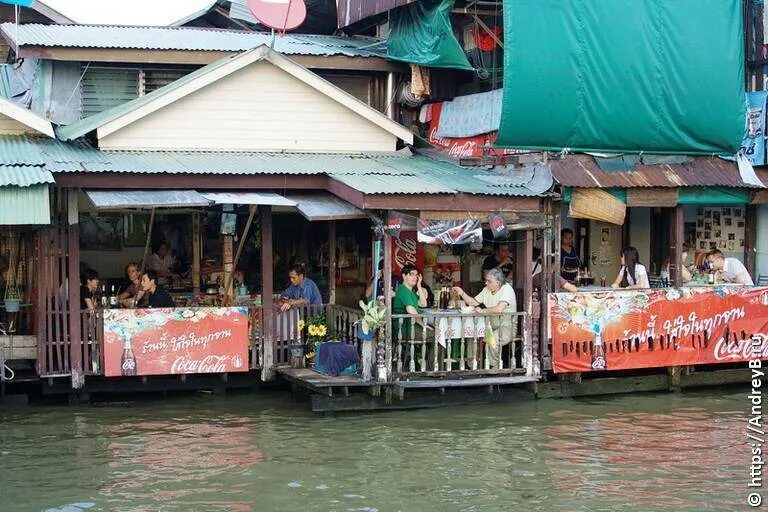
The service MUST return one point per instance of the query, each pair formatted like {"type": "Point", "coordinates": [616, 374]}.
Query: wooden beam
{"type": "Point", "coordinates": [75, 322]}
{"type": "Point", "coordinates": [267, 290]}
{"type": "Point", "coordinates": [451, 202]}
{"type": "Point", "coordinates": [115, 180]}
{"type": "Point", "coordinates": [201, 58]}
{"type": "Point", "coordinates": [332, 262]}
{"type": "Point", "coordinates": [240, 245]}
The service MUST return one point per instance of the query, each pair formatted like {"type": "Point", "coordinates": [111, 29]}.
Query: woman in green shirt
{"type": "Point", "coordinates": [408, 301]}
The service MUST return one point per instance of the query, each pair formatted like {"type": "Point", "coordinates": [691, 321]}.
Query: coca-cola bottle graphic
{"type": "Point", "coordinates": [127, 360]}
{"type": "Point", "coordinates": [598, 354]}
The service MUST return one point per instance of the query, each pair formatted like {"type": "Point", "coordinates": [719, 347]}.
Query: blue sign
{"type": "Point", "coordinates": [753, 146]}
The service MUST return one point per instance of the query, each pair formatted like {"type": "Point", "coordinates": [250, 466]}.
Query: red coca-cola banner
{"type": "Point", "coordinates": [622, 330]}
{"type": "Point", "coordinates": [459, 147]}
{"type": "Point", "coordinates": [172, 341]}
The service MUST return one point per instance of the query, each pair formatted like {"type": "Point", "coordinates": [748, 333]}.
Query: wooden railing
{"type": "Point", "coordinates": [340, 321]}
{"type": "Point", "coordinates": [90, 348]}
{"type": "Point", "coordinates": [442, 343]}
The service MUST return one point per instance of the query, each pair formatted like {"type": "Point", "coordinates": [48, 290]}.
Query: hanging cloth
{"type": "Point", "coordinates": [419, 81]}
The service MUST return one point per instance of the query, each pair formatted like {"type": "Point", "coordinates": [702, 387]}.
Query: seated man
{"type": "Point", "coordinates": [153, 295]}
{"type": "Point", "coordinates": [499, 259]}
{"type": "Point", "coordinates": [732, 270]}
{"type": "Point", "coordinates": [302, 291]}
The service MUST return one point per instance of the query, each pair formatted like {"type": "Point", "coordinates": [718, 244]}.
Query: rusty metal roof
{"type": "Point", "coordinates": [581, 171]}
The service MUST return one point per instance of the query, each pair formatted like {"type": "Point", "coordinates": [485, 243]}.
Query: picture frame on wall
{"type": "Point", "coordinates": [101, 233]}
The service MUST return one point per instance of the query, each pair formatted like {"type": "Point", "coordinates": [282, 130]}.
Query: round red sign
{"type": "Point", "coordinates": [280, 15]}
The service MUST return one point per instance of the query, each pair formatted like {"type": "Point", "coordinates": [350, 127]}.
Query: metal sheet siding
{"type": "Point", "coordinates": [24, 175]}
{"type": "Point", "coordinates": [582, 171]}
{"type": "Point", "coordinates": [24, 205]}
{"type": "Point", "coordinates": [185, 38]}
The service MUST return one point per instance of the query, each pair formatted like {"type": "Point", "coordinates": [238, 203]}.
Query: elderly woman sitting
{"type": "Point", "coordinates": [498, 297]}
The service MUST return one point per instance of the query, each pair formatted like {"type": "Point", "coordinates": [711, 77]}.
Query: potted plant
{"type": "Point", "coordinates": [12, 299]}
{"type": "Point", "coordinates": [315, 331]}
{"type": "Point", "coordinates": [374, 317]}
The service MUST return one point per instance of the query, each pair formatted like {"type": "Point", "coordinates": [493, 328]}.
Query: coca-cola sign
{"type": "Point", "coordinates": [658, 328]}
{"type": "Point", "coordinates": [405, 249]}
{"type": "Point", "coordinates": [175, 341]}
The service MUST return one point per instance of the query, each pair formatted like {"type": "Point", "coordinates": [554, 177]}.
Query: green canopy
{"type": "Point", "coordinates": [712, 195]}
{"type": "Point", "coordinates": [421, 33]}
{"type": "Point", "coordinates": [656, 76]}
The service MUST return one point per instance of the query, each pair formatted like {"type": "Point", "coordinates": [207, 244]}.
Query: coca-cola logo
{"type": "Point", "coordinates": [208, 364]}
{"type": "Point", "coordinates": [742, 350]}
{"type": "Point", "coordinates": [129, 364]}
{"type": "Point", "coordinates": [405, 251]}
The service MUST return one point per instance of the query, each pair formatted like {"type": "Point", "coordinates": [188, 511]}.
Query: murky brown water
{"type": "Point", "coordinates": [261, 453]}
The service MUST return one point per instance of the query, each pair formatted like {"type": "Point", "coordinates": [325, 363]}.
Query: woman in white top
{"type": "Point", "coordinates": [632, 274]}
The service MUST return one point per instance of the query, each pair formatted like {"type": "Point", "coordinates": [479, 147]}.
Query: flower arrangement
{"type": "Point", "coordinates": [315, 331]}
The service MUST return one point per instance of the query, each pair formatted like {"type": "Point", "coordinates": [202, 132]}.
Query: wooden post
{"type": "Point", "coordinates": [148, 241]}
{"type": "Point", "coordinates": [73, 273]}
{"type": "Point", "coordinates": [527, 349]}
{"type": "Point", "coordinates": [332, 262]}
{"type": "Point", "coordinates": [241, 243]}
{"type": "Point", "coordinates": [227, 243]}
{"type": "Point", "coordinates": [388, 298]}
{"type": "Point", "coordinates": [267, 290]}
{"type": "Point", "coordinates": [750, 239]}
{"type": "Point", "coordinates": [677, 246]}
{"type": "Point", "coordinates": [197, 255]}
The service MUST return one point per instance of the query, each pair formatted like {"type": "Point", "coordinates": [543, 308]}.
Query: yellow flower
{"type": "Point", "coordinates": [322, 330]}
{"type": "Point", "coordinates": [300, 324]}
{"type": "Point", "coordinates": [312, 330]}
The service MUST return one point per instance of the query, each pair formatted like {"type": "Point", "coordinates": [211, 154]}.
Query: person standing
{"type": "Point", "coordinates": [633, 274]}
{"type": "Point", "coordinates": [302, 290]}
{"type": "Point", "coordinates": [162, 261]}
{"type": "Point", "coordinates": [410, 298]}
{"type": "Point", "coordinates": [569, 258]}
{"type": "Point", "coordinates": [732, 270]}
{"type": "Point", "coordinates": [499, 259]}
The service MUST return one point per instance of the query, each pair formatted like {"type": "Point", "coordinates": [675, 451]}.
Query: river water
{"type": "Point", "coordinates": [260, 452]}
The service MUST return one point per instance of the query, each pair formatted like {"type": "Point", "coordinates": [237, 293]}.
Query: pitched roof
{"type": "Point", "coordinates": [113, 119]}
{"type": "Point", "coordinates": [26, 117]}
{"type": "Point", "coordinates": [185, 38]}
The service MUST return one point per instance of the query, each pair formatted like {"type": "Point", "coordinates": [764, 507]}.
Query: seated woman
{"type": "Point", "coordinates": [633, 274]}
{"type": "Point", "coordinates": [130, 286]}
{"type": "Point", "coordinates": [498, 297]}
{"type": "Point", "coordinates": [666, 272]}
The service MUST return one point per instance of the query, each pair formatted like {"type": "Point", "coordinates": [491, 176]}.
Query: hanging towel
{"type": "Point", "coordinates": [419, 81]}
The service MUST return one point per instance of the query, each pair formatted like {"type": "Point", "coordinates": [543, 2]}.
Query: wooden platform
{"type": "Point", "coordinates": [351, 393]}
{"type": "Point", "coordinates": [19, 346]}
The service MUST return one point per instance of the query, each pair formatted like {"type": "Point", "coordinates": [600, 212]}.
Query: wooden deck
{"type": "Point", "coordinates": [351, 393]}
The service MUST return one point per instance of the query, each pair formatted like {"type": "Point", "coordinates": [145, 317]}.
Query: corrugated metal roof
{"type": "Point", "coordinates": [324, 206]}
{"type": "Point", "coordinates": [701, 171]}
{"type": "Point", "coordinates": [185, 38]}
{"type": "Point", "coordinates": [378, 184]}
{"type": "Point", "coordinates": [24, 175]}
{"type": "Point", "coordinates": [26, 150]}
{"type": "Point", "coordinates": [25, 205]}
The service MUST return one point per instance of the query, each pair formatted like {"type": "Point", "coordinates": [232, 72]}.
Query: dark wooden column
{"type": "Point", "coordinates": [267, 290]}
{"type": "Point", "coordinates": [73, 273]}
{"type": "Point", "coordinates": [676, 254]}
{"type": "Point", "coordinates": [750, 239]}
{"type": "Point", "coordinates": [332, 262]}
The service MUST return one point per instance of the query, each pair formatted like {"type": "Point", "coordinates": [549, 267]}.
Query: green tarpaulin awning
{"type": "Point", "coordinates": [421, 33]}
{"type": "Point", "coordinates": [631, 76]}
{"type": "Point", "coordinates": [712, 195]}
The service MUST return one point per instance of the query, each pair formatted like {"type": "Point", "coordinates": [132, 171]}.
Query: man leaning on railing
{"type": "Point", "coordinates": [498, 300]}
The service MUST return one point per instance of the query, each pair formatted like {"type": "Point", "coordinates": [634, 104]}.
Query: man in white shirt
{"type": "Point", "coordinates": [732, 270]}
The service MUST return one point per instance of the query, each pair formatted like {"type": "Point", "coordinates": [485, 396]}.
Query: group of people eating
{"type": "Point", "coordinates": [634, 275]}
{"type": "Point", "coordinates": [140, 289]}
